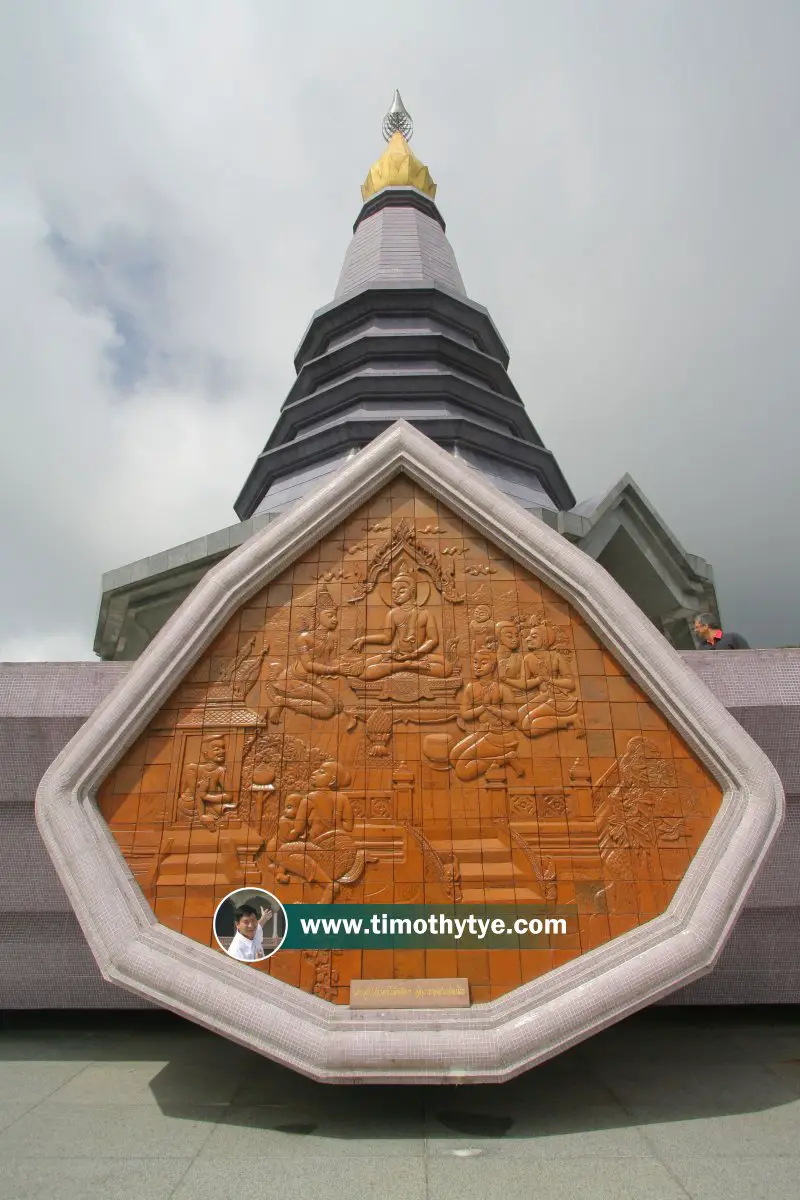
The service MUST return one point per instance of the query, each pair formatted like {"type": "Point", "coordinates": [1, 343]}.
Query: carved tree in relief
{"type": "Point", "coordinates": [629, 815]}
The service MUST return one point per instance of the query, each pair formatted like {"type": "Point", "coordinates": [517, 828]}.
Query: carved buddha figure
{"type": "Point", "coordinates": [410, 632]}
{"type": "Point", "coordinates": [494, 708]}
{"type": "Point", "coordinates": [203, 795]}
{"type": "Point", "coordinates": [548, 673]}
{"type": "Point", "coordinates": [299, 687]}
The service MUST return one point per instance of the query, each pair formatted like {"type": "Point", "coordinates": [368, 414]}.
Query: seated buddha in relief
{"type": "Point", "coordinates": [410, 634]}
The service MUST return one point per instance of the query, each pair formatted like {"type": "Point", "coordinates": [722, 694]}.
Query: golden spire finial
{"type": "Point", "coordinates": [398, 166]}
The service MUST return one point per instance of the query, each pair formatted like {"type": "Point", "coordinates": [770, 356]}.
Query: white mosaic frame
{"type": "Point", "coordinates": [490, 1042]}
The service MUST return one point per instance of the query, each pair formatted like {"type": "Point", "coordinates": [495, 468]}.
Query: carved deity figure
{"type": "Point", "coordinates": [410, 633]}
{"type": "Point", "coordinates": [299, 688]}
{"type": "Point", "coordinates": [493, 707]}
{"type": "Point", "coordinates": [324, 808]}
{"type": "Point", "coordinates": [481, 627]}
{"type": "Point", "coordinates": [510, 660]}
{"type": "Point", "coordinates": [203, 795]}
{"type": "Point", "coordinates": [548, 673]}
{"type": "Point", "coordinates": [313, 839]}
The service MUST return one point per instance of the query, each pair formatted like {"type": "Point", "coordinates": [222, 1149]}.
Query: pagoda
{"type": "Point", "coordinates": [413, 673]}
{"type": "Point", "coordinates": [402, 339]}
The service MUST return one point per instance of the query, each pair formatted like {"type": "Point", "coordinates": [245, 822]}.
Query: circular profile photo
{"type": "Point", "coordinates": [250, 924]}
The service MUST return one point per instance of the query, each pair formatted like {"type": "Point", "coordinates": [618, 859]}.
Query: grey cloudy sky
{"type": "Point", "coordinates": [621, 183]}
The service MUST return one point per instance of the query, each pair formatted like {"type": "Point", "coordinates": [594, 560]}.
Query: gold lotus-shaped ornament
{"type": "Point", "coordinates": [398, 166]}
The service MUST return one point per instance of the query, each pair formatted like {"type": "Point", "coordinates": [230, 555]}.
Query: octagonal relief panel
{"type": "Point", "coordinates": [406, 715]}
{"type": "Point", "coordinates": [407, 690]}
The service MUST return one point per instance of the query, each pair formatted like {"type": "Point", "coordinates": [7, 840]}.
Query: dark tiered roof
{"type": "Point", "coordinates": [402, 339]}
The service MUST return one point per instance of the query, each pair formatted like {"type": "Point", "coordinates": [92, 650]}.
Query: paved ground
{"type": "Point", "coordinates": [673, 1103]}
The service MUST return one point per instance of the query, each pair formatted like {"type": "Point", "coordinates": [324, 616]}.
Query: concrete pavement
{"type": "Point", "coordinates": [674, 1103]}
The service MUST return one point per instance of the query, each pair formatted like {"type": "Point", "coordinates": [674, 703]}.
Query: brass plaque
{"type": "Point", "coordinates": [409, 993]}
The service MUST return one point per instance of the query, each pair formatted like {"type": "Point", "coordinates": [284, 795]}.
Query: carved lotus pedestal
{"type": "Point", "coordinates": [409, 691]}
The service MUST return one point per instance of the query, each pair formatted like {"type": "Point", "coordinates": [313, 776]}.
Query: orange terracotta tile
{"type": "Point", "coordinates": [136, 754]}
{"type": "Point", "coordinates": [590, 662]}
{"type": "Point", "coordinates": [159, 750]}
{"type": "Point", "coordinates": [253, 619]}
{"type": "Point", "coordinates": [534, 963]}
{"type": "Point", "coordinates": [153, 809]}
{"type": "Point", "coordinates": [505, 968]}
{"type": "Point", "coordinates": [597, 715]}
{"type": "Point", "coordinates": [441, 964]}
{"type": "Point", "coordinates": [121, 810]}
{"type": "Point", "coordinates": [198, 928]}
{"type": "Point", "coordinates": [594, 930]}
{"type": "Point", "coordinates": [474, 966]}
{"type": "Point", "coordinates": [377, 964]}
{"type": "Point", "coordinates": [594, 687]}
{"type": "Point", "coordinates": [621, 690]}
{"type": "Point", "coordinates": [127, 779]}
{"type": "Point", "coordinates": [154, 778]}
{"type": "Point", "coordinates": [674, 861]}
{"type": "Point", "coordinates": [650, 717]}
{"type": "Point", "coordinates": [285, 965]}
{"type": "Point", "coordinates": [199, 902]}
{"type": "Point", "coordinates": [623, 738]}
{"type": "Point", "coordinates": [171, 921]}
{"type": "Point", "coordinates": [659, 744]}
{"type": "Point", "coordinates": [583, 637]}
{"type": "Point", "coordinates": [408, 964]}
{"type": "Point", "coordinates": [625, 716]}
{"type": "Point", "coordinates": [600, 744]}
{"type": "Point", "coordinates": [679, 747]}
{"type": "Point", "coordinates": [621, 898]}
{"type": "Point", "coordinates": [622, 924]}
{"type": "Point", "coordinates": [611, 666]}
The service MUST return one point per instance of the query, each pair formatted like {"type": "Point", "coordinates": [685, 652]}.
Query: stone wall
{"type": "Point", "coordinates": [761, 961]}
{"type": "Point", "coordinates": [43, 704]}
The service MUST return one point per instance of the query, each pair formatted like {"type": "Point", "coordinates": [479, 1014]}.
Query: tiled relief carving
{"type": "Point", "coordinates": [407, 716]}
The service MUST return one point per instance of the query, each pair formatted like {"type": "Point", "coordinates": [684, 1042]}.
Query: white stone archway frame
{"type": "Point", "coordinates": [490, 1042]}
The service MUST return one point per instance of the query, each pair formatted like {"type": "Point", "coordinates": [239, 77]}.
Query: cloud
{"type": "Point", "coordinates": [179, 181]}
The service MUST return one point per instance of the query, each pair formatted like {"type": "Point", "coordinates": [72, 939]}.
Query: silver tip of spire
{"type": "Point", "coordinates": [398, 119]}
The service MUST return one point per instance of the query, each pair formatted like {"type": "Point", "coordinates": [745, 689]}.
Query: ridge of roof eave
{"type": "Point", "coordinates": [432, 287]}
{"type": "Point", "coordinates": [610, 499]}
